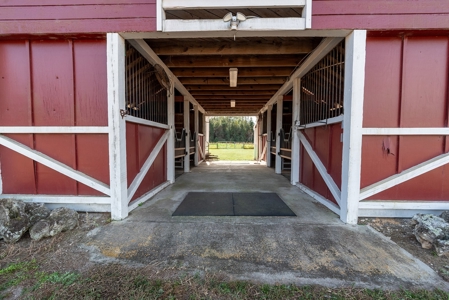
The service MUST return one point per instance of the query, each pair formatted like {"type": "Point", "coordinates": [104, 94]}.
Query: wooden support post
{"type": "Point", "coordinates": [296, 159]}
{"type": "Point", "coordinates": [352, 125]}
{"type": "Point", "coordinates": [260, 137]}
{"type": "Point", "coordinates": [187, 138]}
{"type": "Point", "coordinates": [197, 126]}
{"type": "Point", "coordinates": [171, 137]}
{"type": "Point", "coordinates": [206, 135]}
{"type": "Point", "coordinates": [280, 107]}
{"type": "Point", "coordinates": [117, 125]}
{"type": "Point", "coordinates": [256, 139]}
{"type": "Point", "coordinates": [270, 107]}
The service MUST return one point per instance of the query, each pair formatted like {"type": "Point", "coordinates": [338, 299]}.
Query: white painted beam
{"type": "Point", "coordinates": [117, 125]}
{"type": "Point", "coordinates": [326, 202]}
{"type": "Point", "coordinates": [404, 176]}
{"type": "Point", "coordinates": [307, 13]}
{"type": "Point", "coordinates": [54, 164]}
{"type": "Point", "coordinates": [279, 110]}
{"type": "Point", "coordinates": [136, 203]}
{"type": "Point", "coordinates": [54, 129]}
{"type": "Point", "coordinates": [146, 166]}
{"type": "Point", "coordinates": [141, 121]}
{"type": "Point", "coordinates": [188, 133]}
{"type": "Point", "coordinates": [295, 155]}
{"type": "Point", "coordinates": [352, 125]}
{"type": "Point", "coordinates": [152, 57]}
{"type": "Point", "coordinates": [405, 131]}
{"type": "Point", "coordinates": [229, 4]}
{"type": "Point", "coordinates": [206, 137]}
{"type": "Point", "coordinates": [327, 122]}
{"type": "Point", "coordinates": [196, 116]}
{"type": "Point", "coordinates": [400, 208]}
{"type": "Point", "coordinates": [332, 186]}
{"type": "Point", "coordinates": [82, 207]}
{"type": "Point", "coordinates": [323, 48]}
{"type": "Point", "coordinates": [256, 24]}
{"type": "Point", "coordinates": [269, 136]}
{"type": "Point", "coordinates": [171, 137]}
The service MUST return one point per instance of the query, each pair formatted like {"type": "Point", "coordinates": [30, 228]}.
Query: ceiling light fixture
{"type": "Point", "coordinates": [233, 77]}
{"type": "Point", "coordinates": [232, 103]}
{"type": "Point", "coordinates": [234, 20]}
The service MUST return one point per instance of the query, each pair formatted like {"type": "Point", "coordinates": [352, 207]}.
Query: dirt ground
{"type": "Point", "coordinates": [400, 231]}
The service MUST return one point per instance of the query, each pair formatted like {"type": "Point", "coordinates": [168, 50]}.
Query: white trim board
{"type": "Point", "coordinates": [327, 122]}
{"type": "Point", "coordinates": [82, 207]}
{"type": "Point", "coordinates": [229, 4]}
{"type": "Point", "coordinates": [400, 208]}
{"type": "Point", "coordinates": [146, 166]}
{"type": "Point", "coordinates": [147, 196]}
{"type": "Point", "coordinates": [140, 121]}
{"type": "Point", "coordinates": [326, 202]}
{"type": "Point", "coordinates": [55, 165]}
{"type": "Point", "coordinates": [404, 176]}
{"type": "Point", "coordinates": [54, 129]}
{"type": "Point", "coordinates": [59, 199]}
{"type": "Point", "coordinates": [256, 24]}
{"type": "Point", "coordinates": [405, 131]}
{"type": "Point", "coordinates": [331, 185]}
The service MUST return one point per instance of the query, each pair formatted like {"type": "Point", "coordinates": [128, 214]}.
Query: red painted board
{"type": "Point", "coordinates": [91, 100]}
{"type": "Point", "coordinates": [322, 145]}
{"type": "Point", "coordinates": [382, 82]}
{"type": "Point", "coordinates": [336, 153]}
{"type": "Point", "coordinates": [15, 90]}
{"type": "Point", "coordinates": [92, 159]}
{"type": "Point", "coordinates": [424, 83]}
{"type": "Point", "coordinates": [17, 171]}
{"type": "Point", "coordinates": [61, 148]}
{"type": "Point", "coordinates": [414, 150]}
{"type": "Point", "coordinates": [148, 137]}
{"type": "Point", "coordinates": [381, 22]}
{"type": "Point", "coordinates": [132, 157]}
{"type": "Point", "coordinates": [146, 185]}
{"type": "Point", "coordinates": [77, 26]}
{"type": "Point", "coordinates": [307, 169]}
{"type": "Point", "coordinates": [388, 7]}
{"type": "Point", "coordinates": [74, 12]}
{"type": "Point", "coordinates": [68, 2]}
{"type": "Point", "coordinates": [160, 168]}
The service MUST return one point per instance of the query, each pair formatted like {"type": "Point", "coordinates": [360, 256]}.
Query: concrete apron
{"type": "Point", "coordinates": [313, 248]}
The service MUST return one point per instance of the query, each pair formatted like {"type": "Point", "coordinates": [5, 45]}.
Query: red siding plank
{"type": "Point", "coordinates": [132, 158]}
{"type": "Point", "coordinates": [76, 12]}
{"type": "Point", "coordinates": [336, 153]}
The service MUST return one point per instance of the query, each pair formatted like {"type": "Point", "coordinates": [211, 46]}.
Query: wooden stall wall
{"type": "Point", "coordinates": [140, 141]}
{"type": "Point", "coordinates": [380, 14]}
{"type": "Point", "coordinates": [76, 16]}
{"type": "Point", "coordinates": [325, 141]}
{"type": "Point", "coordinates": [54, 83]}
{"type": "Point", "coordinates": [406, 85]}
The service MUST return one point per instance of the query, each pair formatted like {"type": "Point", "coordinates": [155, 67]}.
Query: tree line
{"type": "Point", "coordinates": [233, 129]}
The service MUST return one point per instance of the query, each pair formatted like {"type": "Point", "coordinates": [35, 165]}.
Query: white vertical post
{"type": "Point", "coordinates": [269, 135]}
{"type": "Point", "coordinates": [197, 126]}
{"type": "Point", "coordinates": [352, 125]}
{"type": "Point", "coordinates": [206, 135]}
{"type": "Point", "coordinates": [117, 125]}
{"type": "Point", "coordinates": [171, 136]}
{"type": "Point", "coordinates": [187, 128]}
{"type": "Point", "coordinates": [280, 108]}
{"type": "Point", "coordinates": [256, 139]}
{"type": "Point", "coordinates": [294, 175]}
{"type": "Point", "coordinates": [160, 16]}
{"type": "Point", "coordinates": [1, 182]}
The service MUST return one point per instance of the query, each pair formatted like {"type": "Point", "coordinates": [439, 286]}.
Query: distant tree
{"type": "Point", "coordinates": [236, 129]}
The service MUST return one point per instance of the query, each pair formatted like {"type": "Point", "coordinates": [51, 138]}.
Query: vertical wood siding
{"type": "Point", "coordinates": [76, 16]}
{"type": "Point", "coordinates": [380, 14]}
{"type": "Point", "coordinates": [54, 83]}
{"type": "Point", "coordinates": [325, 141]}
{"type": "Point", "coordinates": [406, 86]}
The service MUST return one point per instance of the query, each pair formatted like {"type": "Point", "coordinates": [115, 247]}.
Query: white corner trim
{"type": "Point", "coordinates": [160, 15]}
{"type": "Point", "coordinates": [279, 110]}
{"type": "Point", "coordinates": [141, 121]}
{"type": "Point", "coordinates": [170, 149]}
{"type": "Point", "coordinates": [1, 181]}
{"type": "Point", "coordinates": [321, 168]}
{"type": "Point", "coordinates": [295, 145]}
{"type": "Point", "coordinates": [229, 4]}
{"type": "Point", "coordinates": [146, 166]}
{"type": "Point", "coordinates": [54, 164]}
{"type": "Point", "coordinates": [307, 13]}
{"type": "Point", "coordinates": [405, 175]}
{"type": "Point", "coordinates": [256, 24]}
{"type": "Point", "coordinates": [59, 199]}
{"type": "Point", "coordinates": [326, 202]}
{"type": "Point", "coordinates": [147, 196]}
{"type": "Point", "coordinates": [54, 129]}
{"type": "Point", "coordinates": [405, 131]}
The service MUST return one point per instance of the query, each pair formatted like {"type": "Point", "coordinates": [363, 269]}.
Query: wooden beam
{"type": "Point", "coordinates": [164, 47]}
{"type": "Point", "coordinates": [194, 88]}
{"type": "Point", "coordinates": [224, 72]}
{"type": "Point", "coordinates": [234, 61]}
{"type": "Point", "coordinates": [224, 81]}
{"type": "Point", "coordinates": [228, 4]}
{"type": "Point", "coordinates": [233, 92]}
{"type": "Point", "coordinates": [235, 97]}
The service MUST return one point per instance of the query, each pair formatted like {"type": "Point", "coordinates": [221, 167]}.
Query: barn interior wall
{"type": "Point", "coordinates": [406, 86]}
{"type": "Point", "coordinates": [54, 83]}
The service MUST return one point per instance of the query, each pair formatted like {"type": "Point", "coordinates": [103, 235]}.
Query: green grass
{"type": "Point", "coordinates": [233, 154]}
{"type": "Point", "coordinates": [230, 145]}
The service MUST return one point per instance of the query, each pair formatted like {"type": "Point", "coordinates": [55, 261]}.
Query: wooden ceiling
{"type": "Point", "coordinates": [202, 66]}
{"type": "Point", "coordinates": [220, 13]}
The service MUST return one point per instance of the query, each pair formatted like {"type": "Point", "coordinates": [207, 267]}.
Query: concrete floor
{"type": "Point", "coordinates": [313, 248]}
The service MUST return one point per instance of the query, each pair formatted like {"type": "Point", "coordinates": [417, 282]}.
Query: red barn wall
{"type": "Point", "coordinates": [140, 141]}
{"type": "Point", "coordinates": [406, 85]}
{"type": "Point", "coordinates": [325, 141]}
{"type": "Point", "coordinates": [76, 16]}
{"type": "Point", "coordinates": [380, 14]}
{"type": "Point", "coordinates": [54, 83]}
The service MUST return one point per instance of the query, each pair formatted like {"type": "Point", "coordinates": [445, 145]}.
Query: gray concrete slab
{"type": "Point", "coordinates": [313, 248]}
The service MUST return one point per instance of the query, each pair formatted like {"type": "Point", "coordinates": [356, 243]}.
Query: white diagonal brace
{"type": "Point", "coordinates": [200, 149]}
{"type": "Point", "coordinates": [264, 150]}
{"type": "Point", "coordinates": [405, 175]}
{"type": "Point", "coordinates": [54, 164]}
{"type": "Point", "coordinates": [321, 168]}
{"type": "Point", "coordinates": [146, 166]}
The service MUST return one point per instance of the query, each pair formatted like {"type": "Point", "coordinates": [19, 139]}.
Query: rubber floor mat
{"type": "Point", "coordinates": [233, 204]}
